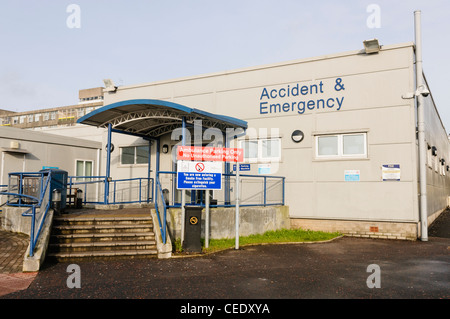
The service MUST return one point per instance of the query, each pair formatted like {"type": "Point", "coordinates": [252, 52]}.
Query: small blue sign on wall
{"type": "Point", "coordinates": [49, 167]}
{"type": "Point", "coordinates": [391, 172]}
{"type": "Point", "coordinates": [352, 175]}
{"type": "Point", "coordinates": [242, 167]}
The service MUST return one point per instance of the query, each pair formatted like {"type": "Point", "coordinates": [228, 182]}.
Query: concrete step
{"type": "Point", "coordinates": [99, 237]}
{"type": "Point", "coordinates": [104, 228]}
{"type": "Point", "coordinates": [72, 221]}
{"type": "Point", "coordinates": [102, 255]}
{"type": "Point", "coordinates": [103, 246]}
{"type": "Point", "coordinates": [90, 238]}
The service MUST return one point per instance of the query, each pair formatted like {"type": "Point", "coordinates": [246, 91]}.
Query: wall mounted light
{"type": "Point", "coordinates": [372, 46]}
{"type": "Point", "coordinates": [297, 136]}
{"type": "Point", "coordinates": [165, 148]}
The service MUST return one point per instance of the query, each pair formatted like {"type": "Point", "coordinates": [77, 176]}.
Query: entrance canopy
{"type": "Point", "coordinates": [154, 118]}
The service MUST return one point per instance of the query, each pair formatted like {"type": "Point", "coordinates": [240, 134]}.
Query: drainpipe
{"type": "Point", "coordinates": [183, 192]}
{"type": "Point", "coordinates": [108, 165]}
{"type": "Point", "coordinates": [421, 129]}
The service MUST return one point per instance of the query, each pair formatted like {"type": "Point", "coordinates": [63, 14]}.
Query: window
{"type": "Point", "coordinates": [429, 157]}
{"type": "Point", "coordinates": [83, 168]}
{"type": "Point", "coordinates": [250, 149]}
{"type": "Point", "coordinates": [134, 155]}
{"type": "Point", "coordinates": [262, 149]}
{"type": "Point", "coordinates": [271, 149]}
{"type": "Point", "coordinates": [341, 145]}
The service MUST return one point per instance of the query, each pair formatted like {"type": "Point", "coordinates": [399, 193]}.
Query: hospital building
{"type": "Point", "coordinates": [334, 140]}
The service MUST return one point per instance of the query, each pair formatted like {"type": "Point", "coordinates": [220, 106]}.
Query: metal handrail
{"type": "Point", "coordinates": [102, 179]}
{"type": "Point", "coordinates": [163, 223]}
{"type": "Point", "coordinates": [264, 179]}
{"type": "Point", "coordinates": [35, 237]}
{"type": "Point", "coordinates": [44, 189]}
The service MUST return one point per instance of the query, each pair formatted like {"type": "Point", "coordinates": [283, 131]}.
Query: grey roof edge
{"type": "Point", "coordinates": [48, 138]}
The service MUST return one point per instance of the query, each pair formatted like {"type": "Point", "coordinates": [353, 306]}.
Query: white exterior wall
{"type": "Point", "coordinates": [43, 150]}
{"type": "Point", "coordinates": [374, 85]}
{"type": "Point", "coordinates": [315, 188]}
{"type": "Point", "coordinates": [438, 178]}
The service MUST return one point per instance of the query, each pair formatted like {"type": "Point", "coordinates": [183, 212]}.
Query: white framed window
{"type": "Point", "coordinates": [131, 155]}
{"type": "Point", "coordinates": [349, 145]}
{"type": "Point", "coordinates": [83, 168]}
{"type": "Point", "coordinates": [268, 149]}
{"type": "Point", "coordinates": [429, 157]}
{"type": "Point", "coordinates": [250, 149]}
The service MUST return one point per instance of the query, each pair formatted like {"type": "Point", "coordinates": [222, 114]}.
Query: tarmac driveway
{"type": "Point", "coordinates": [330, 270]}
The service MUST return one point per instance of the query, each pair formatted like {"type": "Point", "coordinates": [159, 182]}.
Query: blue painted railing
{"type": "Point", "coordinates": [160, 206]}
{"type": "Point", "coordinates": [268, 185]}
{"type": "Point", "coordinates": [144, 191]}
{"type": "Point", "coordinates": [41, 202]}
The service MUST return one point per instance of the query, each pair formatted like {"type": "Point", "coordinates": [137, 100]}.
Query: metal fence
{"type": "Point", "coordinates": [255, 190]}
{"type": "Point", "coordinates": [120, 191]}
{"type": "Point", "coordinates": [31, 190]}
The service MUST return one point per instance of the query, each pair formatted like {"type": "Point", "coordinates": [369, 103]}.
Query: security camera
{"type": "Point", "coordinates": [109, 85]}
{"type": "Point", "coordinates": [423, 91]}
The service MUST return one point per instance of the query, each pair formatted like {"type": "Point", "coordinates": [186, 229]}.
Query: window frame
{"type": "Point", "coordinates": [259, 157]}
{"type": "Point", "coordinates": [84, 161]}
{"type": "Point", "coordinates": [340, 146]}
{"type": "Point", "coordinates": [135, 155]}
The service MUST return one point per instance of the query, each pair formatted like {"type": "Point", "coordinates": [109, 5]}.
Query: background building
{"type": "Point", "coordinates": [355, 166]}
{"type": "Point", "coordinates": [89, 100]}
{"type": "Point", "coordinates": [29, 151]}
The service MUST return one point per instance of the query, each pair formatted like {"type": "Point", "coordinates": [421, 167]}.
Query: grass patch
{"type": "Point", "coordinates": [276, 236]}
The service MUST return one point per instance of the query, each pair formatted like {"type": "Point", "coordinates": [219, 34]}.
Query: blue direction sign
{"type": "Point", "coordinates": [242, 167]}
{"type": "Point", "coordinates": [199, 175]}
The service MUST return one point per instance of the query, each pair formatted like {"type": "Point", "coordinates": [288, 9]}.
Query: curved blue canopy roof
{"type": "Point", "coordinates": [153, 118]}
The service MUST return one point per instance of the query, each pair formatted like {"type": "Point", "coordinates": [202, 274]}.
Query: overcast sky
{"type": "Point", "coordinates": [44, 62]}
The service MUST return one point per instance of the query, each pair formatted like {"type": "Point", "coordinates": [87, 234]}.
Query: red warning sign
{"type": "Point", "coordinates": [200, 167]}
{"type": "Point", "coordinates": [210, 154]}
